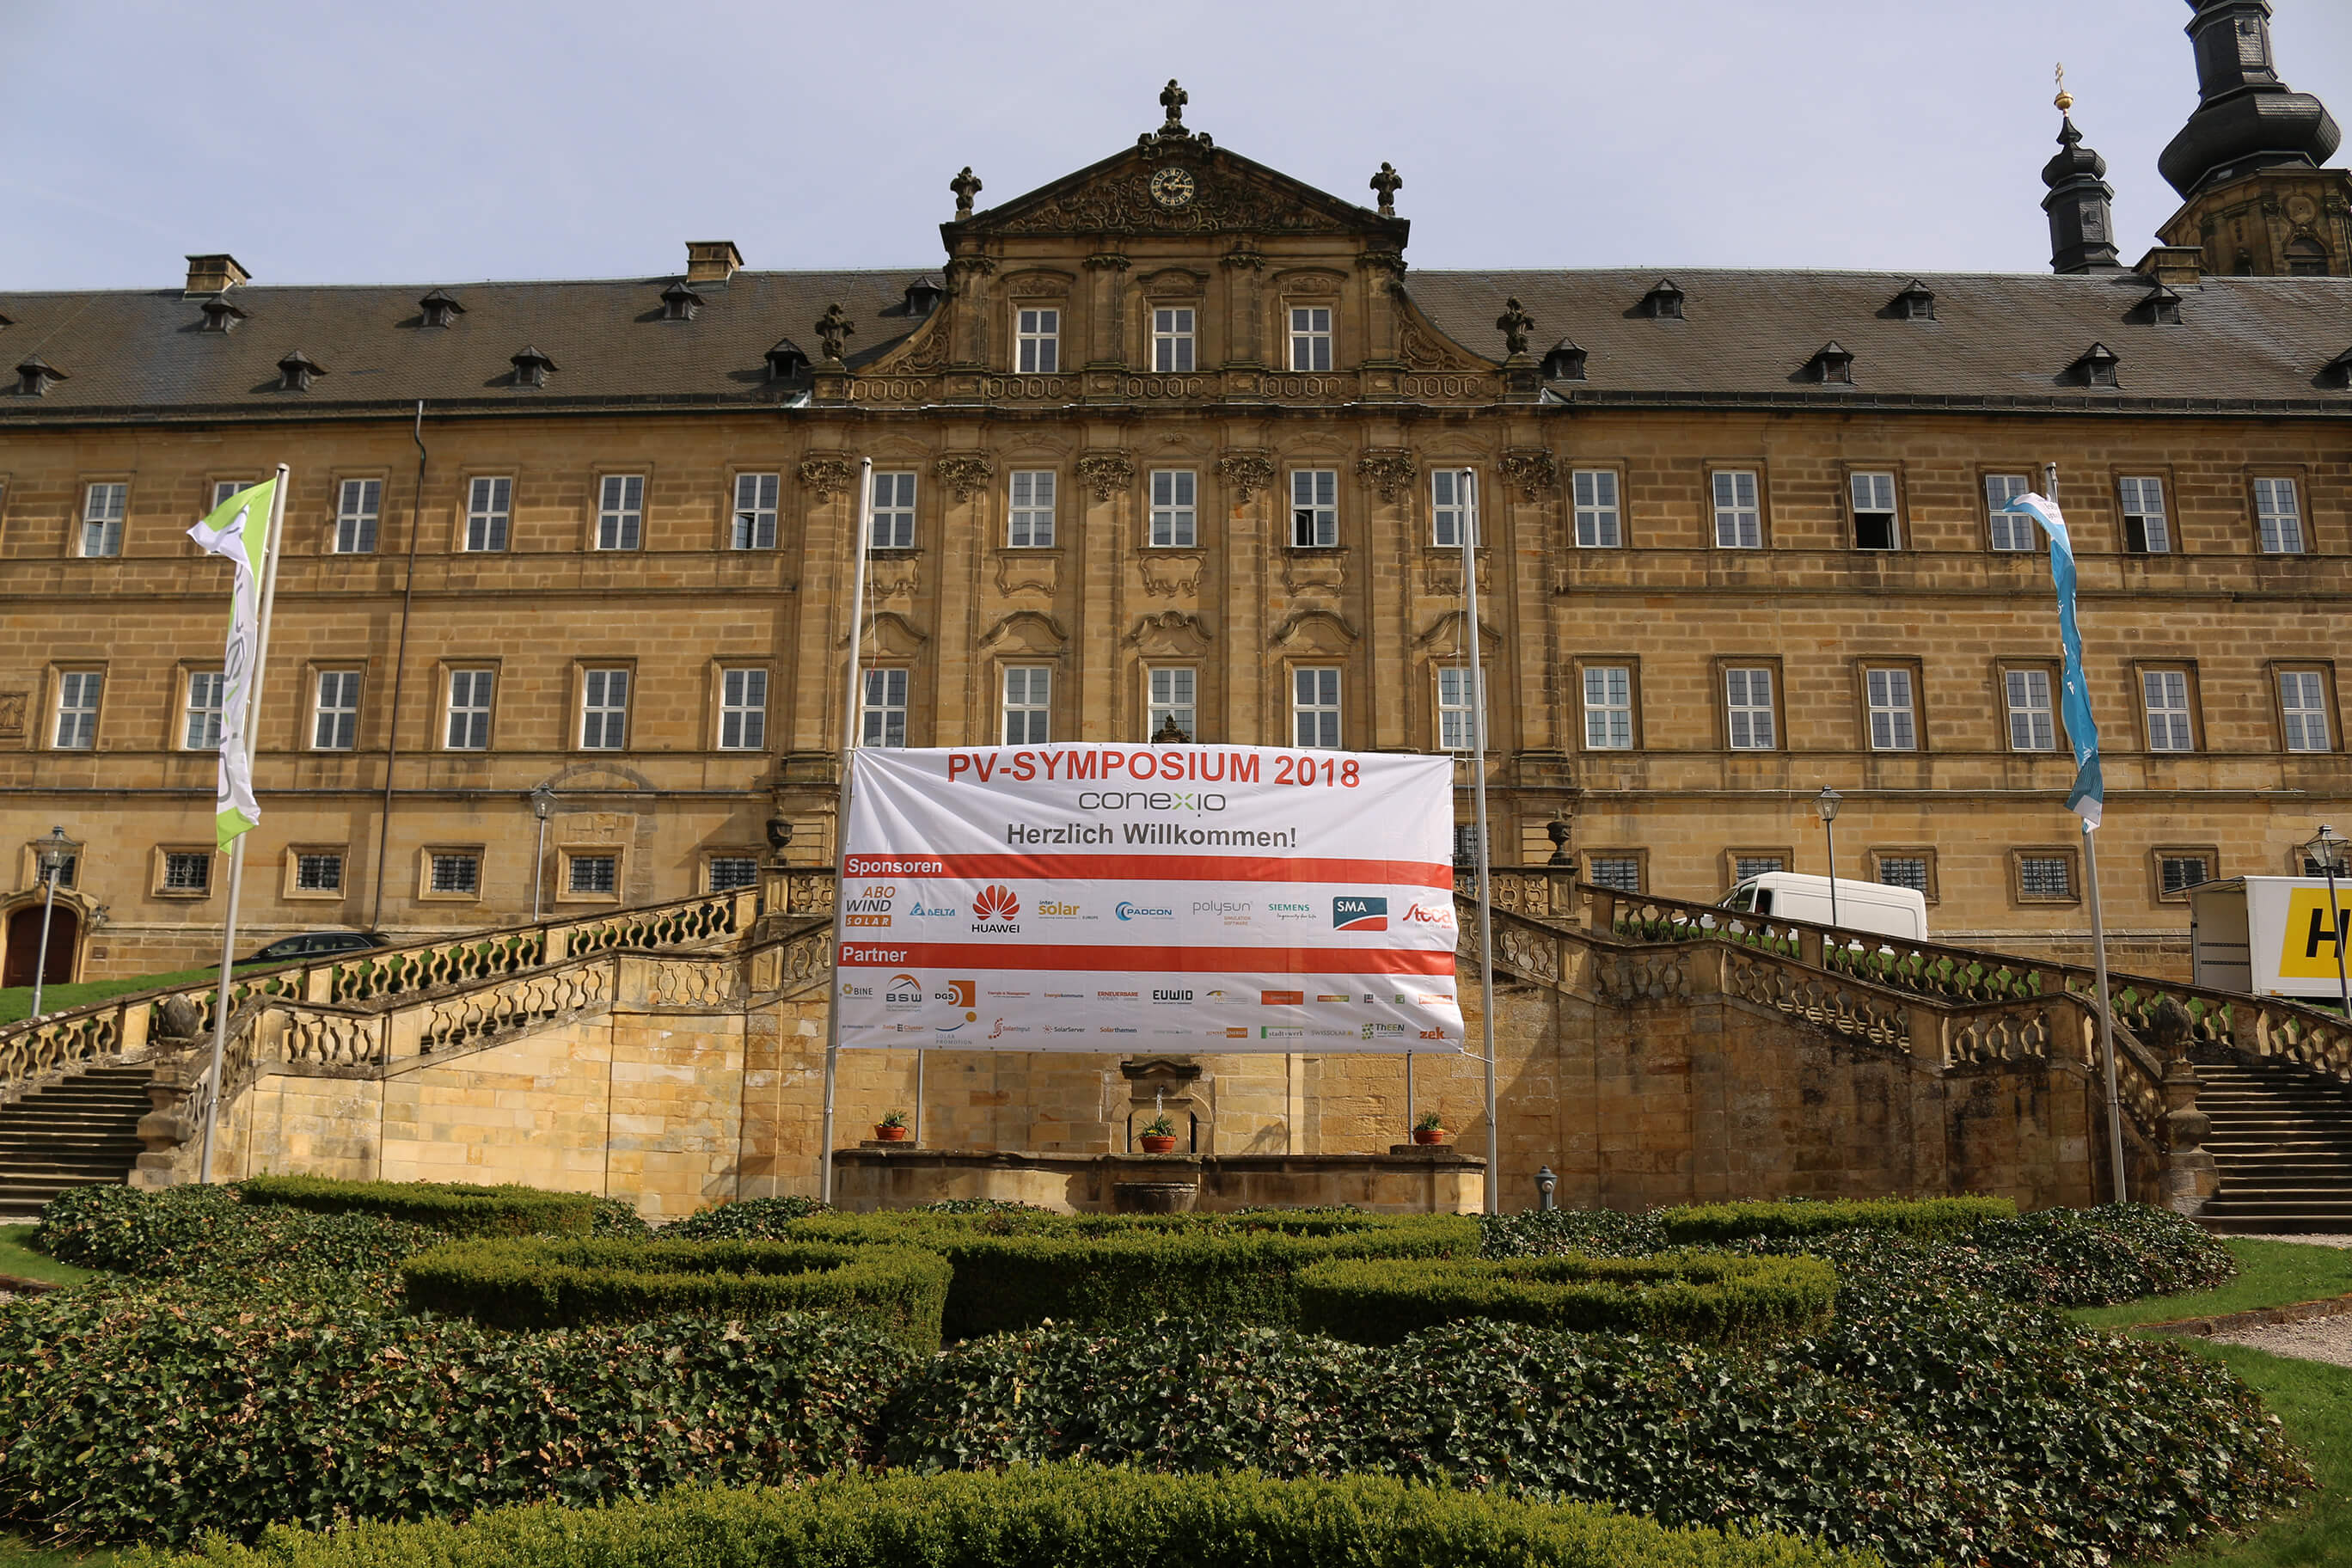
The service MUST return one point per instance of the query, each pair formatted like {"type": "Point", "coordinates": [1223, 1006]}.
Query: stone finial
{"type": "Point", "coordinates": [831, 328]}
{"type": "Point", "coordinates": [2167, 1029]}
{"type": "Point", "coordinates": [176, 1019]}
{"type": "Point", "coordinates": [1388, 181]}
{"type": "Point", "coordinates": [965, 185]}
{"type": "Point", "coordinates": [1514, 324]}
{"type": "Point", "coordinates": [1173, 99]}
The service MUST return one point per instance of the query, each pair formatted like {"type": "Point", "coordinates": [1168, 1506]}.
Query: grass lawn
{"type": "Point", "coordinates": [2314, 1400]}
{"type": "Point", "coordinates": [18, 1259]}
{"type": "Point", "coordinates": [2270, 1273]}
{"type": "Point", "coordinates": [18, 1552]}
{"type": "Point", "coordinates": [17, 1001]}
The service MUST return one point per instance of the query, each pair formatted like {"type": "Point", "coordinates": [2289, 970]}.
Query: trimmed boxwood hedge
{"type": "Point", "coordinates": [452, 1208]}
{"type": "Point", "coordinates": [1707, 1297]}
{"type": "Point", "coordinates": [541, 1282]}
{"type": "Point", "coordinates": [1928, 1219]}
{"type": "Point", "coordinates": [204, 1235]}
{"type": "Point", "coordinates": [1075, 1515]}
{"type": "Point", "coordinates": [157, 1416]}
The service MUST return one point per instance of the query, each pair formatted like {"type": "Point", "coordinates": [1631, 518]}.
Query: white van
{"type": "Point", "coordinates": [1861, 906]}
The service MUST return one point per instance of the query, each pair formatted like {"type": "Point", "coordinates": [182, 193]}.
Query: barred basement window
{"type": "Point", "coordinates": [1903, 871]}
{"type": "Point", "coordinates": [1745, 866]}
{"type": "Point", "coordinates": [728, 872]}
{"type": "Point", "coordinates": [318, 873]}
{"type": "Point", "coordinates": [456, 873]}
{"type": "Point", "coordinates": [187, 871]}
{"type": "Point", "coordinates": [1621, 872]}
{"type": "Point", "coordinates": [595, 873]}
{"type": "Point", "coordinates": [1465, 844]}
{"type": "Point", "coordinates": [2181, 872]}
{"type": "Point", "coordinates": [2045, 876]}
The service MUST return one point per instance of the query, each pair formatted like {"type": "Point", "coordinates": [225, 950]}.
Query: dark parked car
{"type": "Point", "coordinates": [316, 944]}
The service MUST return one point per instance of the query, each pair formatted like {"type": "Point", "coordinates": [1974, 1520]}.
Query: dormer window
{"type": "Point", "coordinates": [1564, 362]}
{"type": "Point", "coordinates": [441, 309]}
{"type": "Point", "coordinates": [786, 360]}
{"type": "Point", "coordinates": [1663, 303]}
{"type": "Point", "coordinates": [530, 368]}
{"type": "Point", "coordinates": [1831, 365]}
{"type": "Point", "coordinates": [2158, 307]}
{"type": "Point", "coordinates": [220, 316]}
{"type": "Point", "coordinates": [924, 294]}
{"type": "Point", "coordinates": [297, 371]}
{"type": "Point", "coordinates": [679, 302]}
{"type": "Point", "coordinates": [35, 376]}
{"type": "Point", "coordinates": [2096, 367]}
{"type": "Point", "coordinates": [2338, 373]}
{"type": "Point", "coordinates": [1916, 303]}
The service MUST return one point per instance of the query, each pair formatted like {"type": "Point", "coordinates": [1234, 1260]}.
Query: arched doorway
{"type": "Point", "coordinates": [25, 945]}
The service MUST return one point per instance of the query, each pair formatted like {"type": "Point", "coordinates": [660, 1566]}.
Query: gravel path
{"type": "Point", "coordinates": [2315, 1339]}
{"type": "Point", "coordinates": [2305, 1240]}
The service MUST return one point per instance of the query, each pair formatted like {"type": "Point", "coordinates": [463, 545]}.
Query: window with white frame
{"type": "Point", "coordinates": [2303, 705]}
{"type": "Point", "coordinates": [490, 502]}
{"type": "Point", "coordinates": [883, 722]}
{"type": "Point", "coordinates": [1315, 708]}
{"type": "Point", "coordinates": [1620, 873]}
{"type": "Point", "coordinates": [2279, 517]}
{"type": "Point", "coordinates": [357, 505]}
{"type": "Point", "coordinates": [620, 511]}
{"type": "Point", "coordinates": [335, 714]}
{"type": "Point", "coordinates": [1739, 521]}
{"type": "Point", "coordinates": [469, 726]}
{"type": "Point", "coordinates": [1449, 508]}
{"type": "Point", "coordinates": [726, 873]}
{"type": "Point", "coordinates": [1171, 338]}
{"type": "Point", "coordinates": [1748, 709]}
{"type": "Point", "coordinates": [743, 710]}
{"type": "Point", "coordinates": [1595, 491]}
{"type": "Point", "coordinates": [1892, 728]}
{"type": "Point", "coordinates": [755, 511]}
{"type": "Point", "coordinates": [317, 871]}
{"type": "Point", "coordinates": [592, 873]}
{"type": "Point", "coordinates": [2164, 693]}
{"type": "Point", "coordinates": [200, 729]}
{"type": "Point", "coordinates": [1032, 516]}
{"type": "Point", "coordinates": [603, 710]}
{"type": "Point", "coordinates": [454, 873]}
{"type": "Point", "coordinates": [1314, 508]}
{"type": "Point", "coordinates": [1037, 341]}
{"type": "Point", "coordinates": [894, 509]}
{"type": "Point", "coordinates": [2031, 727]}
{"type": "Point", "coordinates": [1457, 708]}
{"type": "Point", "coordinates": [1310, 337]}
{"type": "Point", "coordinates": [224, 489]}
{"type": "Point", "coordinates": [2010, 530]}
{"type": "Point", "coordinates": [2144, 532]}
{"type": "Point", "coordinates": [78, 694]}
{"type": "Point", "coordinates": [1172, 697]}
{"type": "Point", "coordinates": [1608, 707]}
{"type": "Point", "coordinates": [1174, 509]}
{"type": "Point", "coordinates": [1028, 704]}
{"type": "Point", "coordinates": [187, 871]}
{"type": "Point", "coordinates": [102, 519]}
{"type": "Point", "coordinates": [1873, 495]}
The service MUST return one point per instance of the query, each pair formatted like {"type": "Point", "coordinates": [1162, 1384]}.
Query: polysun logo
{"type": "Point", "coordinates": [1359, 914]}
{"type": "Point", "coordinates": [995, 910]}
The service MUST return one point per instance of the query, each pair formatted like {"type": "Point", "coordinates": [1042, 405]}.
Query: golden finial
{"type": "Point", "coordinates": [2065, 100]}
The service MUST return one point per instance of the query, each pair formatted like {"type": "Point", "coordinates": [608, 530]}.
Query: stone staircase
{"type": "Point", "coordinates": [2282, 1137]}
{"type": "Point", "coordinates": [79, 1132]}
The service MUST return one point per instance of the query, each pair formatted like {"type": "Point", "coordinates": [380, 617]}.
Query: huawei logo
{"type": "Point", "coordinates": [996, 903]}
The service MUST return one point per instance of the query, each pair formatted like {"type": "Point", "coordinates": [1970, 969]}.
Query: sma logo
{"type": "Point", "coordinates": [1359, 914]}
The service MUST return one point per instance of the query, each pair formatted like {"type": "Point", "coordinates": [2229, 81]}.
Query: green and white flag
{"type": "Point", "coordinates": [239, 530]}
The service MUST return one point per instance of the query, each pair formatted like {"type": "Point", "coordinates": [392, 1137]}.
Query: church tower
{"type": "Point", "coordinates": [2081, 222]}
{"type": "Point", "coordinates": [2249, 163]}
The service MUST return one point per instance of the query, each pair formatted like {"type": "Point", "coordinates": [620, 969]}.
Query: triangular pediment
{"type": "Point", "coordinates": [1175, 182]}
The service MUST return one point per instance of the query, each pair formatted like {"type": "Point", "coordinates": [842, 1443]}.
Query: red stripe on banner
{"type": "Point", "coordinates": [986, 955]}
{"type": "Point", "coordinates": [1154, 868]}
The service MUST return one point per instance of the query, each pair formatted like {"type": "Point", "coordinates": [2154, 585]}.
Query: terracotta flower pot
{"type": "Point", "coordinates": [890, 1134]}
{"type": "Point", "coordinates": [1428, 1135]}
{"type": "Point", "coordinates": [1154, 1145]}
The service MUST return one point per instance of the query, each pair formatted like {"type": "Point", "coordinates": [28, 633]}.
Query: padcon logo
{"type": "Point", "coordinates": [1360, 913]}
{"type": "Point", "coordinates": [1127, 912]}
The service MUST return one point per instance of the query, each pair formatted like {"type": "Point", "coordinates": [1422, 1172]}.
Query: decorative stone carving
{"type": "Point", "coordinates": [1314, 631]}
{"type": "Point", "coordinates": [1440, 573]}
{"type": "Point", "coordinates": [828, 474]}
{"type": "Point", "coordinates": [891, 635]}
{"type": "Point", "coordinates": [928, 351]}
{"type": "Point", "coordinates": [1389, 470]}
{"type": "Point", "coordinates": [1169, 634]}
{"type": "Point", "coordinates": [1530, 470]}
{"type": "Point", "coordinates": [966, 473]}
{"type": "Point", "coordinates": [1248, 469]}
{"type": "Point", "coordinates": [892, 576]}
{"type": "Point", "coordinates": [1447, 638]}
{"type": "Point", "coordinates": [1386, 182]}
{"type": "Point", "coordinates": [1172, 282]}
{"type": "Point", "coordinates": [965, 185]}
{"type": "Point", "coordinates": [1028, 572]}
{"type": "Point", "coordinates": [833, 329]}
{"type": "Point", "coordinates": [1224, 201]}
{"type": "Point", "coordinates": [1107, 473]}
{"type": "Point", "coordinates": [959, 266]}
{"type": "Point", "coordinates": [1388, 262]}
{"type": "Point", "coordinates": [1245, 255]}
{"type": "Point", "coordinates": [1170, 575]}
{"type": "Point", "coordinates": [1026, 631]}
{"type": "Point", "coordinates": [1107, 260]}
{"type": "Point", "coordinates": [1304, 570]}
{"type": "Point", "coordinates": [1422, 347]}
{"type": "Point", "coordinates": [12, 708]}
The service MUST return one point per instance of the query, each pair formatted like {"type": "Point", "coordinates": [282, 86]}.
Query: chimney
{"type": "Point", "coordinates": [2175, 265]}
{"type": "Point", "coordinates": [210, 274]}
{"type": "Point", "coordinates": [711, 260]}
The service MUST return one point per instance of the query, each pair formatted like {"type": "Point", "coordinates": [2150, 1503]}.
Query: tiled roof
{"type": "Point", "coordinates": [1746, 335]}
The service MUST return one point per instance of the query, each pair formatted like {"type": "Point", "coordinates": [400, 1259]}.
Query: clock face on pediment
{"type": "Point", "coordinates": [1172, 186]}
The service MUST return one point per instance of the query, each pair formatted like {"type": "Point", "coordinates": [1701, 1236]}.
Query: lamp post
{"type": "Point", "coordinates": [2329, 850]}
{"type": "Point", "coordinates": [1827, 804]}
{"type": "Point", "coordinates": [542, 806]}
{"type": "Point", "coordinates": [53, 855]}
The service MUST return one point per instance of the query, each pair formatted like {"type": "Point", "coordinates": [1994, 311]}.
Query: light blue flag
{"type": "Point", "coordinates": [2089, 794]}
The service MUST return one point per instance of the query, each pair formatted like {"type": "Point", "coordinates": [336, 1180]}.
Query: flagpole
{"type": "Point", "coordinates": [849, 738]}
{"type": "Point", "coordinates": [1479, 778]}
{"type": "Point", "coordinates": [237, 846]}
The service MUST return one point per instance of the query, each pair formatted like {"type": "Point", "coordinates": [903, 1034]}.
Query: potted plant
{"type": "Point", "coordinates": [1158, 1136]}
{"type": "Point", "coordinates": [892, 1129]}
{"type": "Point", "coordinates": [1430, 1129]}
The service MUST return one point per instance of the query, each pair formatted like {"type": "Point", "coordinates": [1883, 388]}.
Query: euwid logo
{"type": "Point", "coordinates": [1360, 913]}
{"type": "Point", "coordinates": [996, 910]}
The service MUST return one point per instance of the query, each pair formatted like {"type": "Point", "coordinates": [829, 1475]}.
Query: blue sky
{"type": "Point", "coordinates": [445, 143]}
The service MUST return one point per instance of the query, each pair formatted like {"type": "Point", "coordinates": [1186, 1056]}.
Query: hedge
{"type": "Point", "coordinates": [204, 1235]}
{"type": "Point", "coordinates": [1707, 1297]}
{"type": "Point", "coordinates": [745, 1219]}
{"type": "Point", "coordinates": [1928, 1219]}
{"type": "Point", "coordinates": [452, 1208]}
{"type": "Point", "coordinates": [148, 1418]}
{"type": "Point", "coordinates": [539, 1283]}
{"type": "Point", "coordinates": [1080, 1516]}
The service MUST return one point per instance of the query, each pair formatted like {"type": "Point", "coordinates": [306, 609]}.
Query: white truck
{"type": "Point", "coordinates": [2273, 936]}
{"type": "Point", "coordinates": [1861, 906]}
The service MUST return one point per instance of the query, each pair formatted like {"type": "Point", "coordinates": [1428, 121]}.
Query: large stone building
{"type": "Point", "coordinates": [1174, 439]}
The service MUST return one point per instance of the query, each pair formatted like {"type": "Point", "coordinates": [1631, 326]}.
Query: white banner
{"type": "Point", "coordinates": [238, 529]}
{"type": "Point", "coordinates": [1124, 899]}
